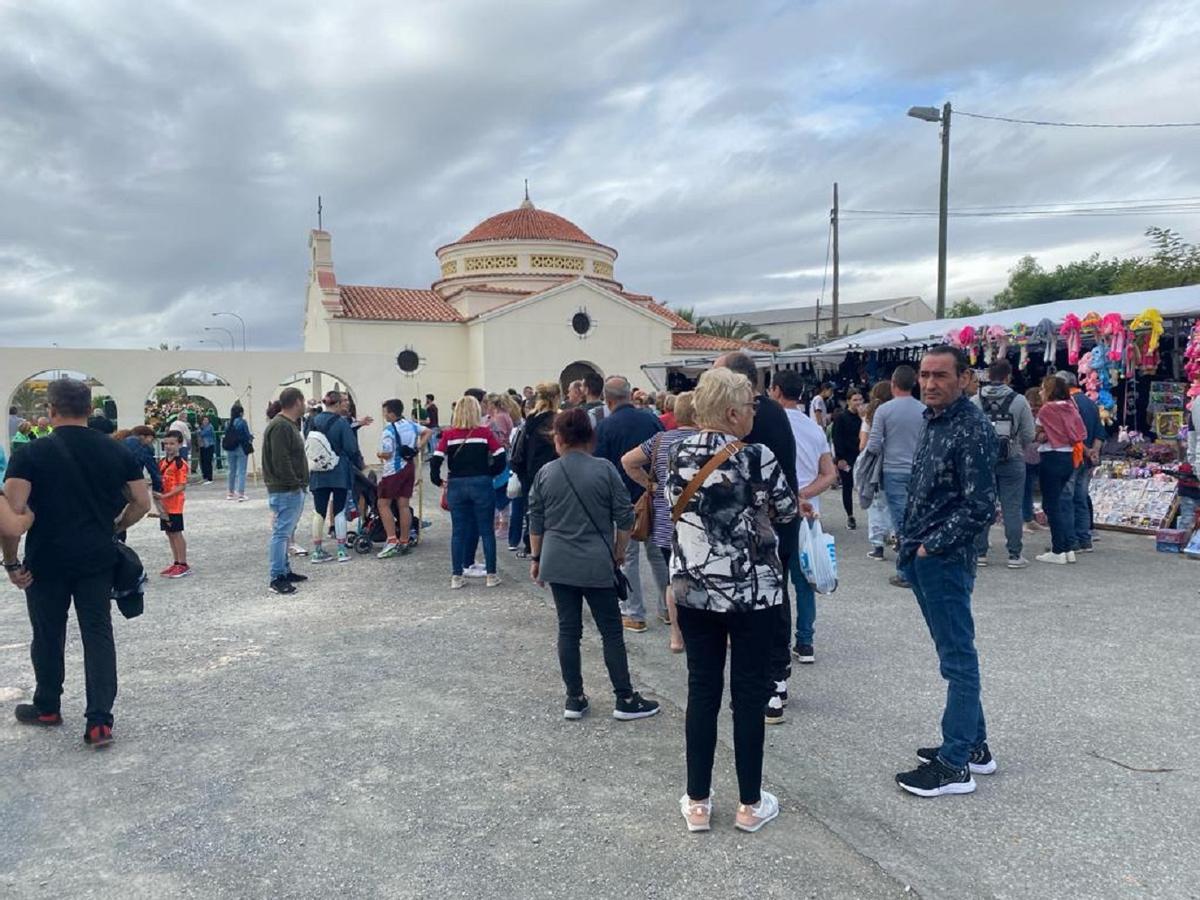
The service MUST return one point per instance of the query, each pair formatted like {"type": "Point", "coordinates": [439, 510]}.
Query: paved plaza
{"type": "Point", "coordinates": [377, 735]}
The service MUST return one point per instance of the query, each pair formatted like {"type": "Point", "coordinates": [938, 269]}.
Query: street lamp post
{"type": "Point", "coordinates": [240, 319]}
{"type": "Point", "coordinates": [932, 114]}
{"type": "Point", "coordinates": [229, 333]}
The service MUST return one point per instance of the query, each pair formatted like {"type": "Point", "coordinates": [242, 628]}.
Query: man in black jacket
{"type": "Point", "coordinates": [772, 429]}
{"type": "Point", "coordinates": [624, 428]}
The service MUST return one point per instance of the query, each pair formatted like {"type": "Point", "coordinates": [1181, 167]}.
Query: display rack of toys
{"type": "Point", "coordinates": [1132, 496]}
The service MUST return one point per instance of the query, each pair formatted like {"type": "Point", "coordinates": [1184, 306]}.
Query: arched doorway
{"type": "Point", "coordinates": [30, 405]}
{"type": "Point", "coordinates": [194, 391]}
{"type": "Point", "coordinates": [575, 371]}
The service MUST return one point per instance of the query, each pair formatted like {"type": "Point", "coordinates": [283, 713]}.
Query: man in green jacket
{"type": "Point", "coordinates": [285, 471]}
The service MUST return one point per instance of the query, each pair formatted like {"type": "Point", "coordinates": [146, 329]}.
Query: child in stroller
{"type": "Point", "coordinates": [370, 530]}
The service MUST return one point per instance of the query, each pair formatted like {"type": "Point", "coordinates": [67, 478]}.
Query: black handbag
{"type": "Point", "coordinates": [620, 582]}
{"type": "Point", "coordinates": [129, 575]}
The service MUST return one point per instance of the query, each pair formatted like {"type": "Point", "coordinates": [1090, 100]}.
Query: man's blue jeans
{"type": "Point", "coordinates": [1081, 482]}
{"type": "Point", "coordinates": [286, 509]}
{"type": "Point", "coordinates": [806, 603]}
{"type": "Point", "coordinates": [1010, 491]}
{"type": "Point", "coordinates": [895, 491]}
{"type": "Point", "coordinates": [472, 505]}
{"type": "Point", "coordinates": [943, 585]}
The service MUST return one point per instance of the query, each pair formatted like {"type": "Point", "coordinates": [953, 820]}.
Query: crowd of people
{"type": "Point", "coordinates": [711, 486]}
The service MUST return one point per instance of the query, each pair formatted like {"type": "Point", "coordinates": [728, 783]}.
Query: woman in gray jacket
{"type": "Point", "coordinates": [579, 521]}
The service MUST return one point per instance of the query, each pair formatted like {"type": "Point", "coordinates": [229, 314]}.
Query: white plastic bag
{"type": "Point", "coordinates": [513, 491]}
{"type": "Point", "coordinates": [818, 557]}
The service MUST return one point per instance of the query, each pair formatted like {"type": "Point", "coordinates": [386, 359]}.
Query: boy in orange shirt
{"type": "Point", "coordinates": [174, 471]}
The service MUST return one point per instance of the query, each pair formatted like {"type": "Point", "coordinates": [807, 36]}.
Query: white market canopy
{"type": "Point", "coordinates": [1172, 303]}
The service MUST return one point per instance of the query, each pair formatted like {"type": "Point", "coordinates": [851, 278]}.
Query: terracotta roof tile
{"type": "Point", "coordinates": [526, 224]}
{"type": "Point", "coordinates": [395, 304]}
{"type": "Point", "coordinates": [647, 302]}
{"type": "Point", "coordinates": [708, 342]}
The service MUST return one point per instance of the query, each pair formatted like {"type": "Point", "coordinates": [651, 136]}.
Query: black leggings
{"type": "Point", "coordinates": [606, 611]}
{"type": "Point", "coordinates": [749, 636]}
{"type": "Point", "coordinates": [206, 462]}
{"type": "Point", "coordinates": [321, 497]}
{"type": "Point", "coordinates": [848, 492]}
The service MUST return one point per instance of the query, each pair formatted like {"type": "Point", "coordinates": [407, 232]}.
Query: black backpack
{"type": "Point", "coordinates": [1002, 419]}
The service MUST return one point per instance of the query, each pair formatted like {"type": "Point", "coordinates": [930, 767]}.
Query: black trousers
{"type": "Point", "coordinates": [606, 611]}
{"type": "Point", "coordinates": [48, 599]}
{"type": "Point", "coordinates": [206, 462]}
{"type": "Point", "coordinates": [780, 653]}
{"type": "Point", "coordinates": [848, 492]}
{"type": "Point", "coordinates": [750, 636]}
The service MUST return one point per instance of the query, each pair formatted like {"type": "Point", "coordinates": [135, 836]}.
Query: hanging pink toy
{"type": "Point", "coordinates": [1112, 326]}
{"type": "Point", "coordinates": [966, 340]}
{"type": "Point", "coordinates": [1072, 330]}
{"type": "Point", "coordinates": [997, 339]}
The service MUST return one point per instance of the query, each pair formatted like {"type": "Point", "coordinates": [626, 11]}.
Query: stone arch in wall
{"type": "Point", "coordinates": [576, 371]}
{"type": "Point", "coordinates": [315, 383]}
{"type": "Point", "coordinates": [29, 394]}
{"type": "Point", "coordinates": [190, 384]}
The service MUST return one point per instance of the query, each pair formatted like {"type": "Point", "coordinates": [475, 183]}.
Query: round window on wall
{"type": "Point", "coordinates": [407, 361]}
{"type": "Point", "coordinates": [581, 323]}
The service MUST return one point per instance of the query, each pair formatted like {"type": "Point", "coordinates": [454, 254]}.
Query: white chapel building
{"type": "Point", "coordinates": [525, 296]}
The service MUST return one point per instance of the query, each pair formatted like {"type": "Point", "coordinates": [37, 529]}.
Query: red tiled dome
{"type": "Point", "coordinates": [526, 224]}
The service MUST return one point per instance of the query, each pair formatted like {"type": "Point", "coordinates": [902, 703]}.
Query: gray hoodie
{"type": "Point", "coordinates": [1023, 425]}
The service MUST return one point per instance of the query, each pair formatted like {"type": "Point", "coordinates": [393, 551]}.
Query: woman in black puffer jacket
{"type": "Point", "coordinates": [535, 447]}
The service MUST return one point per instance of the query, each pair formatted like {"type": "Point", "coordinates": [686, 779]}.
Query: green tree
{"type": "Point", "coordinates": [960, 309]}
{"type": "Point", "coordinates": [732, 328]}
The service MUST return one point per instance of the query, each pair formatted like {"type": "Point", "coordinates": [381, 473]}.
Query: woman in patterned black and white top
{"type": "Point", "coordinates": [728, 586]}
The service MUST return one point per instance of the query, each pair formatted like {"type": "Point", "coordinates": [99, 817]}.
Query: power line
{"type": "Point", "coordinates": [959, 112]}
{"type": "Point", "coordinates": [825, 274]}
{"type": "Point", "coordinates": [1017, 213]}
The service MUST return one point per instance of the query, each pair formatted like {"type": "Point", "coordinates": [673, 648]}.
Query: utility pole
{"type": "Point", "coordinates": [833, 220]}
{"type": "Point", "coordinates": [943, 203]}
{"type": "Point", "coordinates": [817, 325]}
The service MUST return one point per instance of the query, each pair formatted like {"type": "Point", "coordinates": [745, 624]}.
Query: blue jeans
{"type": "Point", "coordinates": [1010, 488]}
{"type": "Point", "coordinates": [1082, 509]}
{"type": "Point", "coordinates": [806, 601]}
{"type": "Point", "coordinates": [286, 508]}
{"type": "Point", "coordinates": [1031, 477]}
{"type": "Point", "coordinates": [516, 521]}
{"type": "Point", "coordinates": [895, 491]}
{"type": "Point", "coordinates": [472, 504]}
{"type": "Point", "coordinates": [237, 470]}
{"type": "Point", "coordinates": [1058, 502]}
{"type": "Point", "coordinates": [943, 585]}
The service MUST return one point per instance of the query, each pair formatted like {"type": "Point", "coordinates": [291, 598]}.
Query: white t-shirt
{"type": "Point", "coordinates": [183, 428]}
{"type": "Point", "coordinates": [810, 445]}
{"type": "Point", "coordinates": [817, 406]}
{"type": "Point", "coordinates": [409, 433]}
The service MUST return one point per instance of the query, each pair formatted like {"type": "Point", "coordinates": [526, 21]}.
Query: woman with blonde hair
{"type": "Point", "coordinates": [535, 447]}
{"type": "Point", "coordinates": [646, 465]}
{"type": "Point", "coordinates": [728, 581]}
{"type": "Point", "coordinates": [473, 458]}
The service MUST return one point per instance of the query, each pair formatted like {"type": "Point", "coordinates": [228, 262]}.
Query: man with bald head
{"type": "Point", "coordinates": [624, 428]}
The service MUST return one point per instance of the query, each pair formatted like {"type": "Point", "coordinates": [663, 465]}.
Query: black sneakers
{"type": "Point", "coordinates": [898, 581]}
{"type": "Point", "coordinates": [282, 585]}
{"type": "Point", "coordinates": [876, 554]}
{"type": "Point", "coordinates": [27, 714]}
{"type": "Point", "coordinates": [935, 778]}
{"type": "Point", "coordinates": [773, 713]}
{"type": "Point", "coordinates": [295, 577]}
{"type": "Point", "coordinates": [575, 707]}
{"type": "Point", "coordinates": [851, 524]}
{"type": "Point", "coordinates": [804, 653]}
{"type": "Point", "coordinates": [981, 761]}
{"type": "Point", "coordinates": [635, 706]}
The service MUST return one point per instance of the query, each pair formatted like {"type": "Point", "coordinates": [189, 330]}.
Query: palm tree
{"type": "Point", "coordinates": [688, 314]}
{"type": "Point", "coordinates": [733, 328]}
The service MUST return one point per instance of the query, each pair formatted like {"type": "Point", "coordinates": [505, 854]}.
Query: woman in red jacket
{"type": "Point", "coordinates": [1060, 435]}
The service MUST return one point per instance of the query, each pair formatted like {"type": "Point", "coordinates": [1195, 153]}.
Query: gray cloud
{"type": "Point", "coordinates": [162, 162]}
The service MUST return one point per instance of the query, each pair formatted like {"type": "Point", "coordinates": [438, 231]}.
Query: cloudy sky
{"type": "Point", "coordinates": [161, 161]}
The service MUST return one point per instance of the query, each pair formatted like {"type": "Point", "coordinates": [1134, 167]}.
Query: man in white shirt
{"type": "Point", "coordinates": [818, 409]}
{"type": "Point", "coordinates": [815, 473]}
{"type": "Point", "coordinates": [181, 425]}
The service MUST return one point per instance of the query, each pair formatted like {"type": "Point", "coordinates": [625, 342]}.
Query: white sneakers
{"type": "Point", "coordinates": [457, 581]}
{"type": "Point", "coordinates": [1059, 559]}
{"type": "Point", "coordinates": [493, 581]}
{"type": "Point", "coordinates": [698, 813]}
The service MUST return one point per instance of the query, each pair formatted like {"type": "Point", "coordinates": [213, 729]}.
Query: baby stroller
{"type": "Point", "coordinates": [370, 529]}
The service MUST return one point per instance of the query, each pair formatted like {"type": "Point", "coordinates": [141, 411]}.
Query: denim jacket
{"type": "Point", "coordinates": [952, 494]}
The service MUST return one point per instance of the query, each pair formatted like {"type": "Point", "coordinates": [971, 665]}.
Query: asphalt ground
{"type": "Point", "coordinates": [377, 735]}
